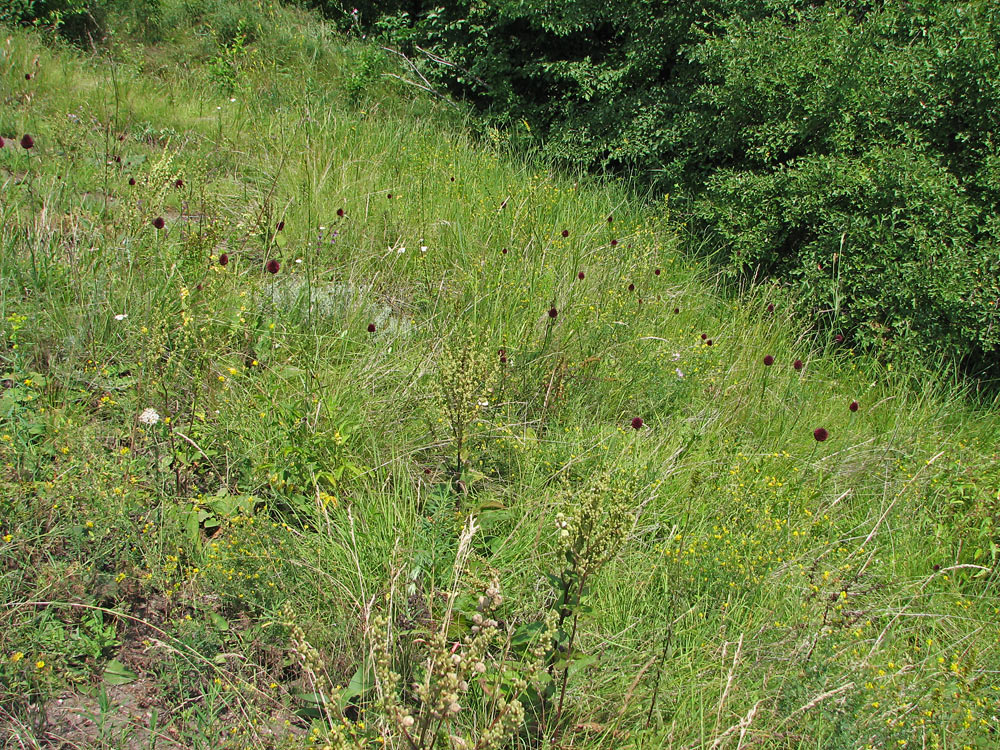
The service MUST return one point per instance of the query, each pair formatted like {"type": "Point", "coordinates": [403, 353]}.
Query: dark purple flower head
{"type": "Point", "coordinates": [371, 328]}
{"type": "Point", "coordinates": [389, 196]}
{"type": "Point", "coordinates": [553, 312]}
{"type": "Point", "coordinates": [27, 76]}
{"type": "Point", "coordinates": [158, 222]}
{"type": "Point", "coordinates": [853, 406]}
{"type": "Point", "coordinates": [637, 423]}
{"type": "Point", "coordinates": [677, 310]}
{"type": "Point", "coordinates": [27, 141]}
{"type": "Point", "coordinates": [502, 353]}
{"type": "Point", "coordinates": [273, 266]}
{"type": "Point", "coordinates": [768, 360]}
{"type": "Point", "coordinates": [709, 342]}
{"type": "Point", "coordinates": [820, 434]}
{"type": "Point", "coordinates": [340, 212]}
{"type": "Point", "coordinates": [452, 179]}
{"type": "Point", "coordinates": [838, 338]}
{"type": "Point", "coordinates": [565, 233]}
{"type": "Point", "coordinates": [770, 308]}
{"type": "Point", "coordinates": [611, 218]}
{"type": "Point", "coordinates": [118, 160]}
{"type": "Point", "coordinates": [656, 272]}
{"type": "Point", "coordinates": [1, 141]}
{"type": "Point", "coordinates": [131, 181]}
{"type": "Point", "coordinates": [614, 242]}
{"type": "Point", "coordinates": [797, 364]}
{"type": "Point", "coordinates": [631, 287]}
{"type": "Point", "coordinates": [504, 251]}
{"type": "Point", "coordinates": [280, 226]}
{"type": "Point", "coordinates": [581, 275]}
{"type": "Point", "coordinates": [224, 259]}
{"type": "Point", "coordinates": [178, 183]}
{"type": "Point", "coordinates": [704, 336]}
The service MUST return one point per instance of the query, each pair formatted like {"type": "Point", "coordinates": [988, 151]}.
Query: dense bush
{"type": "Point", "coordinates": [849, 148]}
{"type": "Point", "coordinates": [80, 21]}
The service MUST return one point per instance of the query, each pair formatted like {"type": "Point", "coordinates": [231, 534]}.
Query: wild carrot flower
{"type": "Point", "coordinates": [768, 360]}
{"type": "Point", "coordinates": [853, 406]}
{"type": "Point", "coordinates": [27, 142]}
{"type": "Point", "coordinates": [273, 266]}
{"type": "Point", "coordinates": [637, 423]}
{"type": "Point", "coordinates": [820, 434]}
{"type": "Point", "coordinates": [797, 364]}
{"type": "Point", "coordinates": [149, 417]}
{"type": "Point", "coordinates": [158, 222]}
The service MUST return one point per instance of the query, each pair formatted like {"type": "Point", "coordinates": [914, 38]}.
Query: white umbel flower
{"type": "Point", "coordinates": [149, 417]}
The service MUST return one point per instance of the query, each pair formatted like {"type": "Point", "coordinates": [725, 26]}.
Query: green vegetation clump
{"type": "Point", "coordinates": [847, 150]}
{"type": "Point", "coordinates": [325, 424]}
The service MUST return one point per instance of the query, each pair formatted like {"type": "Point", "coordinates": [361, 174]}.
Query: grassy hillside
{"type": "Point", "coordinates": [307, 398]}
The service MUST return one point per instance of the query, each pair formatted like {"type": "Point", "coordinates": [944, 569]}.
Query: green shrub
{"type": "Point", "coordinates": [797, 130]}
{"type": "Point", "coordinates": [80, 21]}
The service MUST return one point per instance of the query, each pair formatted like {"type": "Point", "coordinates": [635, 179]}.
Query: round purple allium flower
{"type": "Point", "coordinates": [553, 312]}
{"type": "Point", "coordinates": [853, 406]}
{"type": "Point", "coordinates": [768, 360]}
{"type": "Point", "coordinates": [27, 142]}
{"type": "Point", "coordinates": [797, 364]}
{"type": "Point", "coordinates": [820, 434]}
{"type": "Point", "coordinates": [224, 259]}
{"type": "Point", "coordinates": [637, 423]}
{"type": "Point", "coordinates": [581, 275]}
{"type": "Point", "coordinates": [158, 222]}
{"type": "Point", "coordinates": [371, 328]}
{"type": "Point", "coordinates": [273, 266]}
{"type": "Point", "coordinates": [565, 233]}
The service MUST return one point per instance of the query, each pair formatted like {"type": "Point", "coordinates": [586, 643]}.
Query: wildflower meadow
{"type": "Point", "coordinates": [328, 422]}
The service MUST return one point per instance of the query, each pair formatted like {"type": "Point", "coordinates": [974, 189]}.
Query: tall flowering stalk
{"type": "Point", "coordinates": [465, 386]}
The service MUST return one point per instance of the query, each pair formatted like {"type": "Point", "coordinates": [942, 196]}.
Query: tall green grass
{"type": "Point", "coordinates": [773, 589]}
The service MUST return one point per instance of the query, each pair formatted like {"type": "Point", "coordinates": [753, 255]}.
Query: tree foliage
{"type": "Point", "coordinates": [847, 148]}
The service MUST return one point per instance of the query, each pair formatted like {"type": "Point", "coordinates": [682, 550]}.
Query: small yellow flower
{"type": "Point", "coordinates": [40, 664]}
{"type": "Point", "coordinates": [7, 538]}
{"type": "Point", "coordinates": [90, 524]}
{"type": "Point", "coordinates": [17, 656]}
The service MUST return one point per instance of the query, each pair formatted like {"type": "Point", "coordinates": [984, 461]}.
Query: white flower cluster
{"type": "Point", "coordinates": [149, 417]}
